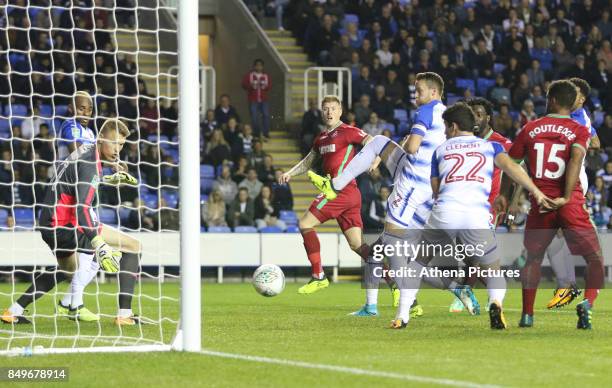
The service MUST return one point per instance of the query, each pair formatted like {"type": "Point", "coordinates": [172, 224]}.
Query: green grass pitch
{"type": "Point", "coordinates": [316, 329]}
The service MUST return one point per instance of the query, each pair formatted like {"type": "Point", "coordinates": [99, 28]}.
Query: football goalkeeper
{"type": "Point", "coordinates": [69, 226]}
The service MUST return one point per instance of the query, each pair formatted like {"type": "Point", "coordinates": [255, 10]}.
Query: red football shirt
{"type": "Point", "coordinates": [546, 145]}
{"type": "Point", "coordinates": [497, 172]}
{"type": "Point", "coordinates": [337, 147]}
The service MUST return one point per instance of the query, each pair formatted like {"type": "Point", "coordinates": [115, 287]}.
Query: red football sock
{"type": "Point", "coordinates": [594, 276]}
{"type": "Point", "coordinates": [530, 277]}
{"type": "Point", "coordinates": [313, 250]}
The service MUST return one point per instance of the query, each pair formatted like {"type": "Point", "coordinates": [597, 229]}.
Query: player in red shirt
{"type": "Point", "coordinates": [554, 147]}
{"type": "Point", "coordinates": [336, 146]}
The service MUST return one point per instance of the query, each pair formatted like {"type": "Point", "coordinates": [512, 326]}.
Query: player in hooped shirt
{"type": "Point", "coordinates": [554, 147]}
{"type": "Point", "coordinates": [336, 146]}
{"type": "Point", "coordinates": [463, 167]}
{"type": "Point", "coordinates": [75, 131]}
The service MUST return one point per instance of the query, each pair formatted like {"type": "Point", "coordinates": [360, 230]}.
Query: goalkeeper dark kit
{"type": "Point", "coordinates": [68, 220]}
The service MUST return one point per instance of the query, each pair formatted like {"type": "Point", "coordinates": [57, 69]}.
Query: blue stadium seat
{"type": "Point", "coordinates": [452, 98]}
{"type": "Point", "coordinates": [271, 229]}
{"type": "Point", "coordinates": [400, 115]}
{"type": "Point", "coordinates": [24, 218]}
{"type": "Point", "coordinates": [206, 185]}
{"type": "Point", "coordinates": [207, 171]}
{"type": "Point", "coordinates": [287, 215]}
{"type": "Point", "coordinates": [203, 197]}
{"type": "Point", "coordinates": [483, 86]}
{"type": "Point", "coordinates": [150, 200]}
{"type": "Point", "coordinates": [219, 229]}
{"type": "Point", "coordinates": [174, 154]}
{"type": "Point", "coordinates": [466, 83]}
{"type": "Point", "coordinates": [350, 18]}
{"type": "Point", "coordinates": [498, 68]}
{"type": "Point", "coordinates": [5, 126]}
{"type": "Point", "coordinates": [61, 110]}
{"type": "Point", "coordinates": [171, 198]}
{"type": "Point", "coordinates": [404, 128]}
{"type": "Point", "coordinates": [3, 217]}
{"type": "Point", "coordinates": [292, 229]}
{"type": "Point", "coordinates": [108, 216]}
{"type": "Point", "coordinates": [514, 114]}
{"type": "Point", "coordinates": [390, 127]}
{"type": "Point", "coordinates": [245, 229]}
{"type": "Point", "coordinates": [16, 110]}
{"type": "Point", "coordinates": [124, 213]}
{"type": "Point", "coordinates": [46, 111]}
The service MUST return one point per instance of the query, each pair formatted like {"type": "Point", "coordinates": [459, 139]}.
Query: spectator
{"type": "Point", "coordinates": [213, 210]}
{"type": "Point", "coordinates": [370, 184]}
{"type": "Point", "coordinates": [355, 38]}
{"type": "Point", "coordinates": [374, 219]}
{"type": "Point", "coordinates": [381, 104]}
{"type": "Point", "coordinates": [563, 60]}
{"type": "Point", "coordinates": [384, 53]}
{"type": "Point", "coordinates": [503, 121]}
{"type": "Point", "coordinates": [600, 80]}
{"type": "Point", "coordinates": [605, 133]}
{"type": "Point", "coordinates": [246, 140]}
{"type": "Point", "coordinates": [265, 173]}
{"type": "Point", "coordinates": [362, 110]}
{"type": "Point", "coordinates": [257, 83]}
{"type": "Point", "coordinates": [140, 218]}
{"type": "Point", "coordinates": [279, 8]}
{"type": "Point", "coordinates": [606, 175]}
{"type": "Point", "coordinates": [482, 60]}
{"type": "Point", "coordinates": [596, 203]}
{"type": "Point", "coordinates": [520, 92]}
{"type": "Point", "coordinates": [168, 218]}
{"type": "Point", "coordinates": [535, 74]}
{"type": "Point", "coordinates": [341, 52]}
{"type": "Point", "coordinates": [579, 69]}
{"type": "Point", "coordinates": [374, 126]}
{"type": "Point", "coordinates": [394, 89]}
{"type": "Point", "coordinates": [447, 72]}
{"type": "Point", "coordinates": [43, 145]}
{"type": "Point", "coordinates": [283, 198]}
{"type": "Point", "coordinates": [363, 84]}
{"type": "Point", "coordinates": [217, 149]}
{"type": "Point", "coordinates": [527, 113]}
{"type": "Point", "coordinates": [242, 210]}
{"type": "Point", "coordinates": [240, 170]}
{"type": "Point", "coordinates": [499, 93]}
{"type": "Point", "coordinates": [323, 41]}
{"type": "Point", "coordinates": [231, 134]}
{"type": "Point", "coordinates": [30, 127]}
{"type": "Point", "coordinates": [256, 158]}
{"type": "Point", "coordinates": [224, 111]}
{"type": "Point", "coordinates": [539, 100]}
{"type": "Point", "coordinates": [366, 53]}
{"type": "Point", "coordinates": [542, 54]}
{"type": "Point", "coordinates": [350, 119]}
{"type": "Point", "coordinates": [377, 71]}
{"type": "Point", "coordinates": [225, 185]}
{"type": "Point", "coordinates": [208, 125]}
{"type": "Point", "coordinates": [266, 214]}
{"type": "Point", "coordinates": [311, 125]}
{"type": "Point", "coordinates": [512, 73]}
{"type": "Point", "coordinates": [149, 118]}
{"type": "Point", "coordinates": [251, 183]}
{"type": "Point", "coordinates": [6, 178]}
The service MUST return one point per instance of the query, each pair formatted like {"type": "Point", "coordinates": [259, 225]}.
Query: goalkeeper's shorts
{"type": "Point", "coordinates": [65, 240]}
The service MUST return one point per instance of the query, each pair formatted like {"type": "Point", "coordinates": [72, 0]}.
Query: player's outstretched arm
{"type": "Point", "coordinates": [300, 168]}
{"type": "Point", "coordinates": [572, 173]}
{"type": "Point", "coordinates": [514, 171]}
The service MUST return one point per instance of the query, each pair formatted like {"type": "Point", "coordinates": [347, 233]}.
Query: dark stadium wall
{"type": "Point", "coordinates": [237, 42]}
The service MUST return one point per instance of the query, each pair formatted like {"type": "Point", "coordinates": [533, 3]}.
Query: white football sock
{"type": "Point", "coordinates": [16, 309]}
{"type": "Point", "coordinates": [496, 287]}
{"type": "Point", "coordinates": [372, 296]}
{"type": "Point", "coordinates": [407, 297]}
{"type": "Point", "coordinates": [361, 162]}
{"type": "Point", "coordinates": [125, 313]}
{"type": "Point", "coordinates": [67, 298]}
{"type": "Point", "coordinates": [88, 268]}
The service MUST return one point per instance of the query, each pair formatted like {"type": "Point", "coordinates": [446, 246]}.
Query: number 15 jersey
{"type": "Point", "coordinates": [546, 146]}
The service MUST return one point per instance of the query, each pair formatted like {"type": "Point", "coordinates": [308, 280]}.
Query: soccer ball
{"type": "Point", "coordinates": [269, 280]}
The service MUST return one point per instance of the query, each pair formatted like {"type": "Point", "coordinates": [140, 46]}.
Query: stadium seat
{"type": "Point", "coordinates": [350, 18]}
{"type": "Point", "coordinates": [206, 185]}
{"type": "Point", "coordinates": [108, 216]}
{"type": "Point", "coordinates": [5, 126]}
{"type": "Point", "coordinates": [124, 214]}
{"type": "Point", "coordinates": [271, 229]}
{"type": "Point", "coordinates": [219, 229]}
{"type": "Point", "coordinates": [466, 83]}
{"type": "Point", "coordinates": [483, 86]}
{"type": "Point", "coordinates": [46, 111]}
{"type": "Point", "coordinates": [150, 200]}
{"type": "Point", "coordinates": [171, 198]}
{"type": "Point", "coordinates": [24, 218]}
{"type": "Point", "coordinates": [400, 115]}
{"type": "Point", "coordinates": [245, 229]}
{"type": "Point", "coordinates": [498, 68]}
{"type": "Point", "coordinates": [207, 171]}
{"type": "Point", "coordinates": [292, 229]}
{"type": "Point", "coordinates": [3, 217]}
{"type": "Point", "coordinates": [203, 198]}
{"type": "Point", "coordinates": [16, 110]}
{"type": "Point", "coordinates": [390, 127]}
{"type": "Point", "coordinates": [174, 154]}
{"type": "Point", "coordinates": [287, 215]}
{"type": "Point", "coordinates": [61, 110]}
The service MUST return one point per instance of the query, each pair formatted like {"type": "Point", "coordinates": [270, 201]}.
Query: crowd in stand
{"type": "Point", "coordinates": [49, 54]}
{"type": "Point", "coordinates": [506, 51]}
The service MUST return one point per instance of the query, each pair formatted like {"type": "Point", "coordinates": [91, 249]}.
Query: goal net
{"type": "Point", "coordinates": [119, 52]}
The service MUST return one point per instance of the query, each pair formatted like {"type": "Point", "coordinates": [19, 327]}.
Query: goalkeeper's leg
{"type": "Point", "coordinates": [130, 267]}
{"type": "Point", "coordinates": [42, 284]}
{"type": "Point", "coordinates": [72, 304]}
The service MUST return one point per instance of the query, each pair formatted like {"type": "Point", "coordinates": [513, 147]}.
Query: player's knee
{"type": "Point", "coordinates": [304, 224]}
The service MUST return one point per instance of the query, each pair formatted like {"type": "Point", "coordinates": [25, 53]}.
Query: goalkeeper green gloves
{"type": "Point", "coordinates": [107, 257]}
{"type": "Point", "coordinates": [120, 177]}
